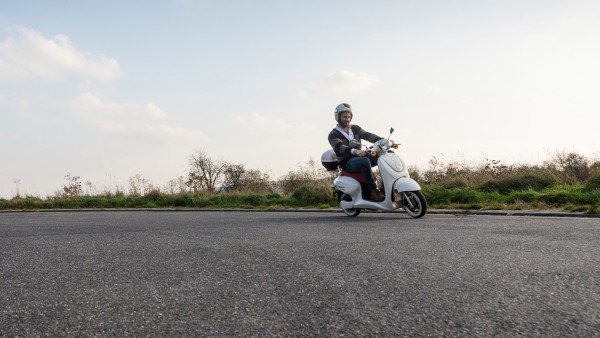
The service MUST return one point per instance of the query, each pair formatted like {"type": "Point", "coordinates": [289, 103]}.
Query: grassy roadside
{"type": "Point", "coordinates": [567, 198]}
{"type": "Point", "coordinates": [309, 196]}
{"type": "Point", "coordinates": [568, 182]}
{"type": "Point", "coordinates": [563, 197]}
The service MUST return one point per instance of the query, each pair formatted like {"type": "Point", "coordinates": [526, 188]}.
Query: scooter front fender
{"type": "Point", "coordinates": [406, 184]}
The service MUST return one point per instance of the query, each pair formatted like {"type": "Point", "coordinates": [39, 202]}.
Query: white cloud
{"type": "Point", "coordinates": [28, 54]}
{"type": "Point", "coordinates": [24, 107]}
{"type": "Point", "coordinates": [130, 119]}
{"type": "Point", "coordinates": [160, 132]}
{"type": "Point", "coordinates": [346, 81]}
{"type": "Point", "coordinates": [342, 81]}
{"type": "Point", "coordinates": [435, 90]}
{"type": "Point", "coordinates": [21, 107]}
{"type": "Point", "coordinates": [256, 120]}
{"type": "Point", "coordinates": [302, 92]}
{"type": "Point", "coordinates": [267, 124]}
{"type": "Point", "coordinates": [93, 103]}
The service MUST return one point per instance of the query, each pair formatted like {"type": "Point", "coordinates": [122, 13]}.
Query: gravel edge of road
{"type": "Point", "coordinates": [539, 213]}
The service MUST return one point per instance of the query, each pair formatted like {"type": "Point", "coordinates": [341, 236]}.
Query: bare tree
{"type": "Point", "coordinates": [112, 186]}
{"type": "Point", "coordinates": [238, 178]}
{"type": "Point", "coordinates": [73, 188]}
{"type": "Point", "coordinates": [233, 177]}
{"type": "Point", "coordinates": [17, 182]}
{"type": "Point", "coordinates": [310, 173]}
{"type": "Point", "coordinates": [176, 186]}
{"type": "Point", "coordinates": [257, 181]}
{"type": "Point", "coordinates": [570, 167]}
{"type": "Point", "coordinates": [139, 185]}
{"type": "Point", "coordinates": [90, 188]}
{"type": "Point", "coordinates": [205, 172]}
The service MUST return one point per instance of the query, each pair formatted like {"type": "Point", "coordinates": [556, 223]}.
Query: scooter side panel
{"type": "Point", "coordinates": [347, 185]}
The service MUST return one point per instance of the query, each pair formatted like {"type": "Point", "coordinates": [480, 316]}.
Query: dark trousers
{"type": "Point", "coordinates": [363, 165]}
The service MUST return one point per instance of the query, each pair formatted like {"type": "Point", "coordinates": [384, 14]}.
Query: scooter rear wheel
{"type": "Point", "coordinates": [353, 212]}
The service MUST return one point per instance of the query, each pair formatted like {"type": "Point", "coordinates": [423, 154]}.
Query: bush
{"type": "Point", "coordinates": [442, 196]}
{"type": "Point", "coordinates": [274, 196]}
{"type": "Point", "coordinates": [593, 182]}
{"type": "Point", "coordinates": [526, 181]}
{"type": "Point", "coordinates": [595, 168]}
{"type": "Point", "coordinates": [556, 197]}
{"type": "Point", "coordinates": [90, 202]}
{"type": "Point", "coordinates": [29, 202]}
{"type": "Point", "coordinates": [311, 173]}
{"type": "Point", "coordinates": [524, 196]}
{"type": "Point", "coordinates": [253, 199]}
{"type": "Point", "coordinates": [570, 167]}
{"type": "Point", "coordinates": [153, 195]}
{"type": "Point", "coordinates": [312, 194]}
{"type": "Point", "coordinates": [454, 183]}
{"type": "Point", "coordinates": [183, 200]}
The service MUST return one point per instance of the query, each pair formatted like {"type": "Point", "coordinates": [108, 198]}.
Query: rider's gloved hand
{"type": "Point", "coordinates": [359, 152]}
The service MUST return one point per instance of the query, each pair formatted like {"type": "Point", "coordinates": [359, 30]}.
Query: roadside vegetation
{"type": "Point", "coordinates": [567, 181]}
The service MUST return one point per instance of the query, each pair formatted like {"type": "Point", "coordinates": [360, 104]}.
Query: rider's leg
{"type": "Point", "coordinates": [362, 165]}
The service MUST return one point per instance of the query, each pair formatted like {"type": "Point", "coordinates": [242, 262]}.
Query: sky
{"type": "Point", "coordinates": [106, 90]}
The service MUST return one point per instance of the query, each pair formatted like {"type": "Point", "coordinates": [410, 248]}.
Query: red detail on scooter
{"type": "Point", "coordinates": [357, 176]}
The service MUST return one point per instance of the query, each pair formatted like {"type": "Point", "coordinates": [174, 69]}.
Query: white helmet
{"type": "Point", "coordinates": [342, 107]}
{"type": "Point", "coordinates": [329, 160]}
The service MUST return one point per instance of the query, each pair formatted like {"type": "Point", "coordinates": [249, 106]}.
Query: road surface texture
{"type": "Point", "coordinates": [160, 274]}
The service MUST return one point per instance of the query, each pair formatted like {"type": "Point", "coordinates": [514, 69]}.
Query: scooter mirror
{"type": "Point", "coordinates": [391, 131]}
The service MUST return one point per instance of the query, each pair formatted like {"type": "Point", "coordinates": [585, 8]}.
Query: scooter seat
{"type": "Point", "coordinates": [357, 176]}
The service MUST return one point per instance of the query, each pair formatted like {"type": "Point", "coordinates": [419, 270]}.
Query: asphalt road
{"type": "Point", "coordinates": [297, 274]}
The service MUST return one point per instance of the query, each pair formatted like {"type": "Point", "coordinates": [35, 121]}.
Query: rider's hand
{"type": "Point", "coordinates": [360, 153]}
{"type": "Point", "coordinates": [392, 142]}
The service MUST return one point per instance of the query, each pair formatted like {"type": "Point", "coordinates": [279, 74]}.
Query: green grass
{"type": "Point", "coordinates": [305, 197]}
{"type": "Point", "coordinates": [560, 196]}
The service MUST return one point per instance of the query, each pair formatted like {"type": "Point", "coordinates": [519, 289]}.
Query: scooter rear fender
{"type": "Point", "coordinates": [347, 185]}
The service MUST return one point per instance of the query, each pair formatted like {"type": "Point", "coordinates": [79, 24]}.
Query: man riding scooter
{"type": "Point", "coordinates": [343, 139]}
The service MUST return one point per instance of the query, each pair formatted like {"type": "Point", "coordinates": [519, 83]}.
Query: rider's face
{"type": "Point", "coordinates": [345, 119]}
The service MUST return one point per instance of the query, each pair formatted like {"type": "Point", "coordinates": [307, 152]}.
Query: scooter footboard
{"type": "Point", "coordinates": [406, 184]}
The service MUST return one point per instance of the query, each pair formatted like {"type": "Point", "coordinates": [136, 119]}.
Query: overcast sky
{"type": "Point", "coordinates": [106, 90]}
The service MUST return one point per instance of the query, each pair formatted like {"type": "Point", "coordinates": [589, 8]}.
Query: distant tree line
{"type": "Point", "coordinates": [204, 175]}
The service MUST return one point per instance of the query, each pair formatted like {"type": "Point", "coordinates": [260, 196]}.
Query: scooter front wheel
{"type": "Point", "coordinates": [414, 203]}
{"type": "Point", "coordinates": [352, 212]}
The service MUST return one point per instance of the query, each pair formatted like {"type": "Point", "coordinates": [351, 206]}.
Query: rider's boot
{"type": "Point", "coordinates": [377, 196]}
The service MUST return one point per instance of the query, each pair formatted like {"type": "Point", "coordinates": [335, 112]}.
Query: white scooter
{"type": "Point", "coordinates": [399, 189]}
